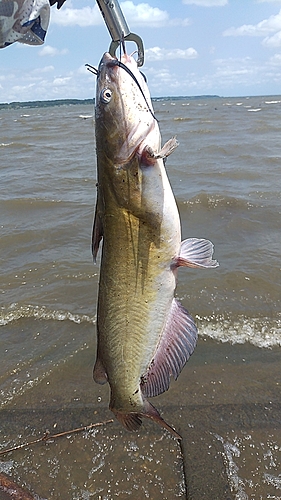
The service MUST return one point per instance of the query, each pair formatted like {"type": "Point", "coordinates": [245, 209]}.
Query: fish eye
{"type": "Point", "coordinates": [106, 95]}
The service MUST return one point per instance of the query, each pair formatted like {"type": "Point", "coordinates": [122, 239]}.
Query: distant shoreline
{"type": "Point", "coordinates": [66, 102]}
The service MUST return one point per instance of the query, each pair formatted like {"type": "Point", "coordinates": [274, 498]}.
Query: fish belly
{"type": "Point", "coordinates": [135, 292]}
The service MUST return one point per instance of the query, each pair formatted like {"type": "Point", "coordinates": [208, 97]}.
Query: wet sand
{"type": "Point", "coordinates": [226, 406]}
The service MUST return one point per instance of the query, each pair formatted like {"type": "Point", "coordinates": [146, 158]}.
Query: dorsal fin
{"type": "Point", "coordinates": [177, 343]}
{"type": "Point", "coordinates": [97, 233]}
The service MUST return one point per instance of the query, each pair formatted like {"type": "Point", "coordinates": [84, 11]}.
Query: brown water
{"type": "Point", "coordinates": [226, 403]}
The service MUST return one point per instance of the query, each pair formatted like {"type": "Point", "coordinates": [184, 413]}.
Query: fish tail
{"type": "Point", "coordinates": [133, 420]}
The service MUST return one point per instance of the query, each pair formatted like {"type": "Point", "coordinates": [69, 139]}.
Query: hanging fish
{"type": "Point", "coordinates": [145, 335]}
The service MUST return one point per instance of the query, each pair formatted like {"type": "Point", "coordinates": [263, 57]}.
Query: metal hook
{"type": "Point", "coordinates": [118, 28]}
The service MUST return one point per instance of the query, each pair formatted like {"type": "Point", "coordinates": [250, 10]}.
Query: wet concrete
{"type": "Point", "coordinates": [103, 462]}
{"type": "Point", "coordinates": [226, 406]}
{"type": "Point", "coordinates": [207, 466]}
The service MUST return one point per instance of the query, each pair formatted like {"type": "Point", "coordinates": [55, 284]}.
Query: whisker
{"type": "Point", "coordinates": [92, 69]}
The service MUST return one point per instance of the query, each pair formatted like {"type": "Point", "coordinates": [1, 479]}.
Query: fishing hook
{"type": "Point", "coordinates": [118, 28]}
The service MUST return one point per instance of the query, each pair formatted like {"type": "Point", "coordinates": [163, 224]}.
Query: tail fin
{"type": "Point", "coordinates": [132, 421]}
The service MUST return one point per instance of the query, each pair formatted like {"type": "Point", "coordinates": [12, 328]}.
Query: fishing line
{"type": "Point", "coordinates": [116, 62]}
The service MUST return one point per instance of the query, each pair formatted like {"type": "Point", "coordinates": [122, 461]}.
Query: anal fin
{"type": "Point", "coordinates": [97, 233]}
{"type": "Point", "coordinates": [176, 345]}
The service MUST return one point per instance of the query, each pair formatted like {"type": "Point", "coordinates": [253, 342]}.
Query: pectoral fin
{"type": "Point", "coordinates": [99, 374]}
{"type": "Point", "coordinates": [168, 148]}
{"type": "Point", "coordinates": [196, 253]}
{"type": "Point", "coordinates": [149, 157]}
{"type": "Point", "coordinates": [176, 345]}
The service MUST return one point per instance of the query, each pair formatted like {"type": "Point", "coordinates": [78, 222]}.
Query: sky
{"type": "Point", "coordinates": [192, 47]}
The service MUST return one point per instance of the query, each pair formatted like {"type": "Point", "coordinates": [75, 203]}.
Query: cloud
{"type": "Point", "coordinates": [87, 16]}
{"type": "Point", "coordinates": [158, 54]}
{"type": "Point", "coordinates": [273, 23]}
{"type": "Point", "coordinates": [137, 15]}
{"type": "Point", "coordinates": [22, 88]}
{"type": "Point", "coordinates": [52, 51]}
{"type": "Point", "coordinates": [82, 70]}
{"type": "Point", "coordinates": [273, 41]}
{"type": "Point", "coordinates": [228, 68]}
{"type": "Point", "coordinates": [143, 14]}
{"type": "Point", "coordinates": [45, 69]}
{"type": "Point", "coordinates": [206, 3]}
{"type": "Point", "coordinates": [61, 81]}
{"type": "Point", "coordinates": [275, 60]}
{"type": "Point", "coordinates": [161, 81]}
{"type": "Point", "coordinates": [235, 73]}
{"type": "Point", "coordinates": [180, 22]}
{"type": "Point", "coordinates": [44, 83]}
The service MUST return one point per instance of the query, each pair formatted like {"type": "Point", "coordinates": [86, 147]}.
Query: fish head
{"type": "Point", "coordinates": [124, 117]}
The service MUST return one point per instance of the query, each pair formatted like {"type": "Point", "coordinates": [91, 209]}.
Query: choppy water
{"type": "Point", "coordinates": [226, 179]}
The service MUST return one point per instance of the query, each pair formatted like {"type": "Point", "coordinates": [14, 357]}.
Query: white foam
{"type": "Point", "coordinates": [260, 332]}
{"type": "Point", "coordinates": [236, 483]}
{"type": "Point", "coordinates": [274, 480]}
{"type": "Point", "coordinates": [252, 463]}
{"type": "Point", "coordinates": [15, 312]}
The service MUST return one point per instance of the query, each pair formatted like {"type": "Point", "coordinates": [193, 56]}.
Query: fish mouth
{"type": "Point", "coordinates": [112, 62]}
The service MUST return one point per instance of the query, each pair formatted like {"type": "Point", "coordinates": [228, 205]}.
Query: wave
{"type": "Point", "coordinates": [260, 332]}
{"type": "Point", "coordinates": [16, 145]}
{"type": "Point", "coordinates": [182, 119]}
{"type": "Point", "coordinates": [15, 312]}
{"type": "Point", "coordinates": [35, 203]}
{"type": "Point", "coordinates": [262, 202]}
{"type": "Point", "coordinates": [214, 200]}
